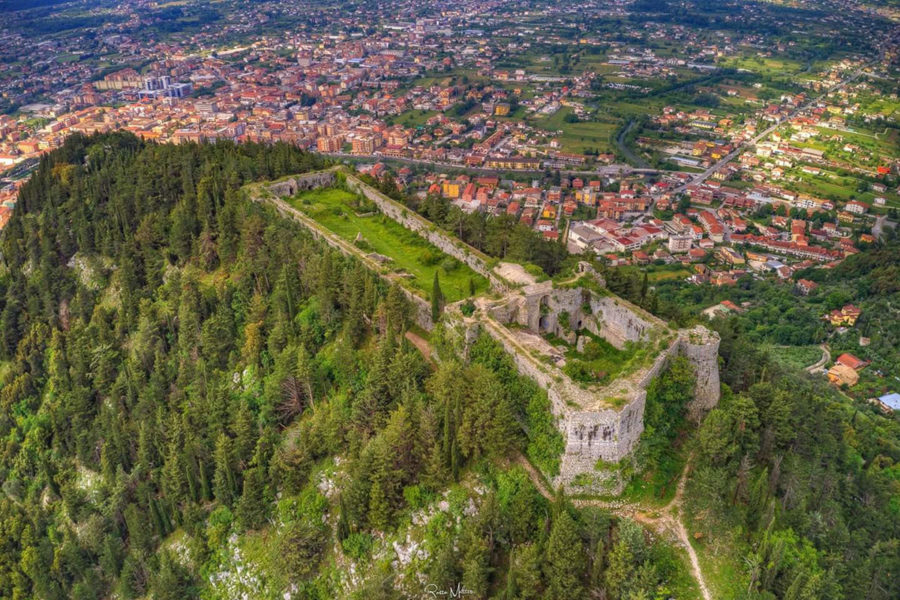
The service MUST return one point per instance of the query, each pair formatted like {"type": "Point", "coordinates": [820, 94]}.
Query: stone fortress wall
{"type": "Point", "coordinates": [601, 424]}
{"type": "Point", "coordinates": [301, 183]}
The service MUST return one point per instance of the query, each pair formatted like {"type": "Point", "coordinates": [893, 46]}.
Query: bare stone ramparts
{"type": "Point", "coordinates": [601, 424]}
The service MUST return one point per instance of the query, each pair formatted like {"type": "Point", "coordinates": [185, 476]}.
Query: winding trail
{"type": "Point", "coordinates": [826, 356]}
{"type": "Point", "coordinates": [665, 521]}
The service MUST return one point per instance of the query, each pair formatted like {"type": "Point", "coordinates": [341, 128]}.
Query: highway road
{"type": "Point", "coordinates": [701, 177]}
{"type": "Point", "coordinates": [602, 171]}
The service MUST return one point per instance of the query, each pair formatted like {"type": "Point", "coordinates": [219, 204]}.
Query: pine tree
{"type": "Point", "coordinates": [379, 509]}
{"type": "Point", "coordinates": [475, 563]}
{"type": "Point", "coordinates": [252, 508]}
{"type": "Point", "coordinates": [245, 434]}
{"type": "Point", "coordinates": [223, 478]}
{"type": "Point", "coordinates": [525, 581]}
{"type": "Point", "coordinates": [396, 309]}
{"type": "Point", "coordinates": [174, 479]}
{"type": "Point", "coordinates": [564, 560]}
{"type": "Point", "coordinates": [627, 552]}
{"type": "Point", "coordinates": [435, 475]}
{"type": "Point", "coordinates": [343, 526]}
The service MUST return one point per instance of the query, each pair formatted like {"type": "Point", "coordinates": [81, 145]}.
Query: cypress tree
{"type": "Point", "coordinates": [437, 299]}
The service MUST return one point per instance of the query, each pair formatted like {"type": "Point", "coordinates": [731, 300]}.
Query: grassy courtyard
{"type": "Point", "coordinates": [601, 362]}
{"type": "Point", "coordinates": [413, 118]}
{"type": "Point", "coordinates": [340, 211]}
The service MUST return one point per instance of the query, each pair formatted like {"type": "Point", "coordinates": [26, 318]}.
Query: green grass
{"type": "Point", "coordinates": [333, 209]}
{"type": "Point", "coordinates": [413, 118]}
{"type": "Point", "coordinates": [770, 67]}
{"type": "Point", "coordinates": [682, 583]}
{"type": "Point", "coordinates": [655, 276]}
{"type": "Point", "coordinates": [720, 567]}
{"type": "Point", "coordinates": [795, 357]}
{"type": "Point", "coordinates": [657, 485]}
{"type": "Point", "coordinates": [601, 362]}
{"type": "Point", "coordinates": [843, 191]}
{"type": "Point", "coordinates": [578, 137]}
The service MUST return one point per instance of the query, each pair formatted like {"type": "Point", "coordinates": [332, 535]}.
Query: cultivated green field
{"type": "Point", "coordinates": [578, 137]}
{"type": "Point", "coordinates": [413, 118]}
{"type": "Point", "coordinates": [409, 253]}
{"type": "Point", "coordinates": [795, 357]}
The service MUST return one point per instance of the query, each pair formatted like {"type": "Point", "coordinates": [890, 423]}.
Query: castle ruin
{"type": "Point", "coordinates": [601, 423]}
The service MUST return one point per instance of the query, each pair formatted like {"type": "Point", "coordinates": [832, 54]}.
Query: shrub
{"type": "Point", "coordinates": [449, 264]}
{"type": "Point", "coordinates": [429, 257]}
{"type": "Point", "coordinates": [417, 497]}
{"type": "Point", "coordinates": [357, 545]}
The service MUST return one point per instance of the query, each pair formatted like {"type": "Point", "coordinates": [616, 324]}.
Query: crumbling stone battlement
{"type": "Point", "coordinates": [302, 183]}
{"type": "Point", "coordinates": [601, 424]}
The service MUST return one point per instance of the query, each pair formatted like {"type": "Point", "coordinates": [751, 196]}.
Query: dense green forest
{"type": "Point", "coordinates": [795, 484]}
{"type": "Point", "coordinates": [794, 487]}
{"type": "Point", "coordinates": [198, 400]}
{"type": "Point", "coordinates": [194, 390]}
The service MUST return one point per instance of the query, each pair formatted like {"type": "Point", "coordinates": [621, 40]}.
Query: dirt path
{"type": "Point", "coordinates": [664, 521]}
{"type": "Point", "coordinates": [421, 343]}
{"type": "Point", "coordinates": [826, 356]}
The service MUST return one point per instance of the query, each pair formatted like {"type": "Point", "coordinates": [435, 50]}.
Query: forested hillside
{"type": "Point", "coordinates": [794, 485]}
{"type": "Point", "coordinates": [199, 400]}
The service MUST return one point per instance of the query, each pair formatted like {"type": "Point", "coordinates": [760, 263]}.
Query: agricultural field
{"type": "Point", "coordinates": [795, 357]}
{"type": "Point", "coordinates": [580, 136]}
{"type": "Point", "coordinates": [777, 68]}
{"type": "Point", "coordinates": [413, 118]}
{"type": "Point", "coordinates": [339, 211]}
